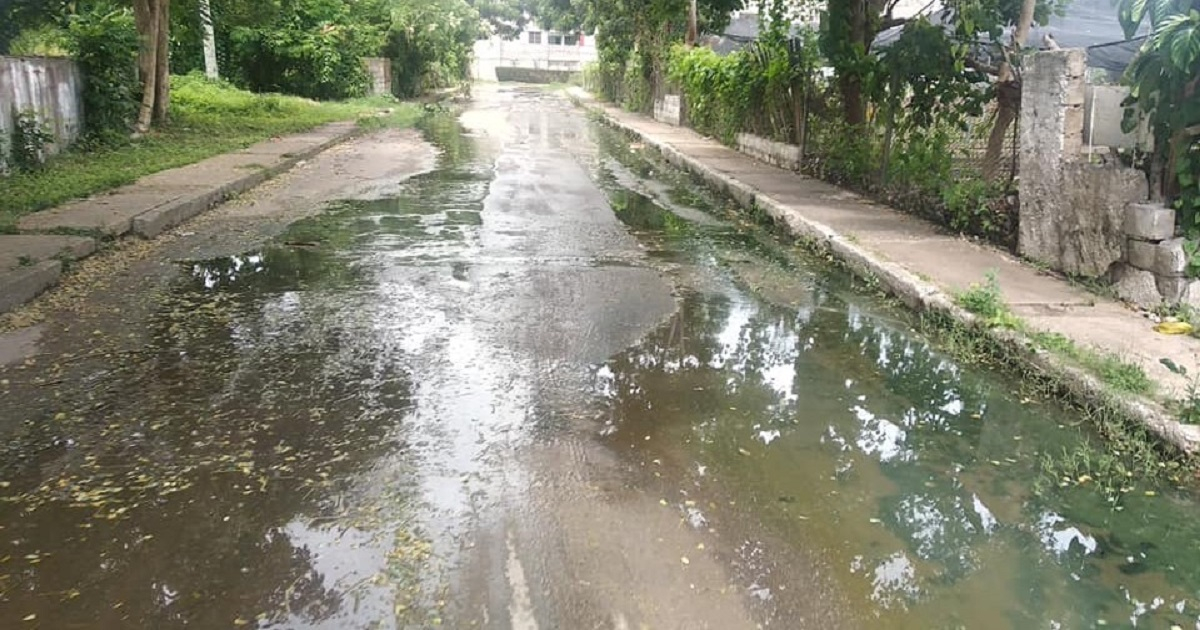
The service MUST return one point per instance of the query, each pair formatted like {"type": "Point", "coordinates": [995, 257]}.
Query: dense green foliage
{"type": "Point", "coordinates": [104, 42]}
{"type": "Point", "coordinates": [429, 43]}
{"type": "Point", "coordinates": [311, 48]}
{"type": "Point", "coordinates": [1164, 79]}
{"type": "Point", "coordinates": [315, 48]}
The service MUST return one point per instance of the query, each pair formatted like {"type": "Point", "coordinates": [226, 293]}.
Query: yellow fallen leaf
{"type": "Point", "coordinates": [29, 617]}
{"type": "Point", "coordinates": [685, 560]}
{"type": "Point", "coordinates": [1173, 328]}
{"type": "Point", "coordinates": [240, 622]}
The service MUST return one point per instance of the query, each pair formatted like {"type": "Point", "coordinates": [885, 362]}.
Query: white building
{"type": "Point", "coordinates": [534, 49]}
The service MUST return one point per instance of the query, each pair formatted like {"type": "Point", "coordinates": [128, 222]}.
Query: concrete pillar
{"type": "Point", "coordinates": [380, 71]}
{"type": "Point", "coordinates": [1072, 212]}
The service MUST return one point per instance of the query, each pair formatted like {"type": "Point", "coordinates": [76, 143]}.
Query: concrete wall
{"type": "Point", "coordinates": [778, 153]}
{"type": "Point", "coordinates": [1103, 114]}
{"type": "Point", "coordinates": [51, 87]}
{"type": "Point", "coordinates": [380, 70]}
{"type": "Point", "coordinates": [533, 75]}
{"type": "Point", "coordinates": [1072, 212]}
{"type": "Point", "coordinates": [497, 52]}
{"type": "Point", "coordinates": [669, 109]}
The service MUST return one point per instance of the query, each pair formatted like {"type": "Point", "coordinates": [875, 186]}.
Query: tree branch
{"type": "Point", "coordinates": [975, 64]}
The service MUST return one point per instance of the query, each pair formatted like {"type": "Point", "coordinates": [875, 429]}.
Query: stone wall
{"type": "Point", "coordinates": [1155, 267]}
{"type": "Point", "coordinates": [778, 153]}
{"type": "Point", "coordinates": [49, 87]}
{"type": "Point", "coordinates": [1073, 212]}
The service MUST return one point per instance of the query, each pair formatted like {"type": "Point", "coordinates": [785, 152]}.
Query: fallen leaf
{"type": "Point", "coordinates": [685, 560]}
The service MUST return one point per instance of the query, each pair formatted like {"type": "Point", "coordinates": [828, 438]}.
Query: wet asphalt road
{"type": "Point", "coordinates": [510, 371]}
{"type": "Point", "coordinates": [377, 417]}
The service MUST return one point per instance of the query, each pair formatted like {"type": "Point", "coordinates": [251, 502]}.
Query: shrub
{"type": "Point", "coordinates": [27, 148]}
{"type": "Point", "coordinates": [638, 94]}
{"type": "Point", "coordinates": [104, 42]}
{"type": "Point", "coordinates": [976, 206]}
{"type": "Point", "coordinates": [312, 49]}
{"type": "Point", "coordinates": [42, 41]}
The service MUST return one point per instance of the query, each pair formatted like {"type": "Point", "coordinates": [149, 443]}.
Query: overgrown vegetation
{"type": "Point", "coordinates": [104, 42]}
{"type": "Point", "coordinates": [207, 119]}
{"type": "Point", "coordinates": [916, 144]}
{"type": "Point", "coordinates": [986, 301]}
{"type": "Point", "coordinates": [1128, 457]}
{"type": "Point", "coordinates": [27, 148]}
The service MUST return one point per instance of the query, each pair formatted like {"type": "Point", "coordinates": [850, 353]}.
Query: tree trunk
{"type": "Point", "coordinates": [153, 25]}
{"type": "Point", "coordinates": [693, 29]}
{"type": "Point", "coordinates": [210, 40]}
{"type": "Point", "coordinates": [162, 63]}
{"type": "Point", "coordinates": [1008, 101]}
{"type": "Point", "coordinates": [852, 85]}
{"type": "Point", "coordinates": [147, 26]}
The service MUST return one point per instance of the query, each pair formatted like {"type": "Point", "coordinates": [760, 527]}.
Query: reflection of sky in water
{"type": "Point", "coordinates": [881, 438]}
{"type": "Point", "coordinates": [986, 518]}
{"type": "Point", "coordinates": [1060, 539]}
{"type": "Point", "coordinates": [212, 277]}
{"type": "Point", "coordinates": [893, 580]}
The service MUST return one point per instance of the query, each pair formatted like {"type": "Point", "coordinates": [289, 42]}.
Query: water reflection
{"type": "Point", "coordinates": [913, 470]}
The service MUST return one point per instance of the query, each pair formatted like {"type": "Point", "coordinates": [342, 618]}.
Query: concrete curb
{"type": "Point", "coordinates": [925, 297]}
{"type": "Point", "coordinates": [22, 285]}
{"type": "Point", "coordinates": [154, 222]}
{"type": "Point", "coordinates": [25, 283]}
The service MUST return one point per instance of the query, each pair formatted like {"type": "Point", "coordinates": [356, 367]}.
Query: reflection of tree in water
{"type": "Point", "coordinates": [786, 369]}
{"type": "Point", "coordinates": [790, 357]}
{"type": "Point", "coordinates": [444, 131]}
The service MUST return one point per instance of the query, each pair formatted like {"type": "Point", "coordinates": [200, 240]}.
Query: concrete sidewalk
{"type": "Point", "coordinates": [33, 261]}
{"type": "Point", "coordinates": [925, 266]}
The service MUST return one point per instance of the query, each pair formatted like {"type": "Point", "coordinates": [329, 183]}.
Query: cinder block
{"type": "Point", "coordinates": [1149, 222]}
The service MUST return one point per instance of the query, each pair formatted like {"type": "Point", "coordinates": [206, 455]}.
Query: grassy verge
{"type": "Point", "coordinates": [207, 119]}
{"type": "Point", "coordinates": [985, 301]}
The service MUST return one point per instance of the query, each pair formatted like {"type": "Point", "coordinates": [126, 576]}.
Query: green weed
{"type": "Point", "coordinates": [1187, 407]}
{"type": "Point", "coordinates": [986, 301]}
{"type": "Point", "coordinates": [1113, 370]}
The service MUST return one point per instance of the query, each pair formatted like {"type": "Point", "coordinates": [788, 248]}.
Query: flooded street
{"type": "Point", "coordinates": [541, 382]}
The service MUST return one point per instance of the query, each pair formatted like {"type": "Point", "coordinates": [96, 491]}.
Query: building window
{"type": "Point", "coordinates": [535, 37]}
{"type": "Point", "coordinates": [556, 39]}
{"type": "Point", "coordinates": [571, 40]}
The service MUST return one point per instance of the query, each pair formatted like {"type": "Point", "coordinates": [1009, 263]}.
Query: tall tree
{"type": "Point", "coordinates": [210, 40]}
{"type": "Point", "coordinates": [153, 23]}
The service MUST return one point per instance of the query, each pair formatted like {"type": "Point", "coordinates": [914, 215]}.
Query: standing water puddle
{"type": "Point", "coordinates": [316, 421]}
{"type": "Point", "coordinates": [910, 476]}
